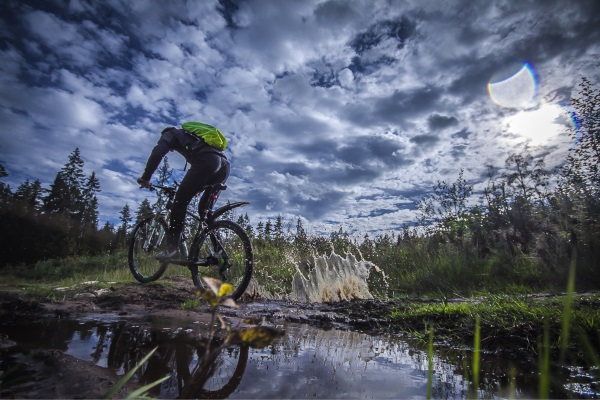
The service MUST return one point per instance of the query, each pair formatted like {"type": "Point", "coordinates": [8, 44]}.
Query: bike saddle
{"type": "Point", "coordinates": [217, 186]}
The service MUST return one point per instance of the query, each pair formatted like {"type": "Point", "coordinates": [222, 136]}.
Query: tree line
{"type": "Point", "coordinates": [43, 223]}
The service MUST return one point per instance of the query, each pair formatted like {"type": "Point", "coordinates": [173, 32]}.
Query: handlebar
{"type": "Point", "coordinates": [169, 189]}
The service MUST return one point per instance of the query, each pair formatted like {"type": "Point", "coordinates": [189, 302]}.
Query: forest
{"type": "Point", "coordinates": [528, 230]}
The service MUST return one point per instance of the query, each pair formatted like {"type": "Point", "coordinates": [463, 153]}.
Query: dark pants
{"type": "Point", "coordinates": [206, 169]}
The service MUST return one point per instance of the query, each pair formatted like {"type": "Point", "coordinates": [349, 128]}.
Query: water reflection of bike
{"type": "Point", "coordinates": [180, 356]}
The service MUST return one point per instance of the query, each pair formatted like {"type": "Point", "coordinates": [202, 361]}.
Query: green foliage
{"type": "Point", "coordinates": [110, 266]}
{"type": "Point", "coordinates": [275, 266]}
{"type": "Point", "coordinates": [583, 166]}
{"type": "Point", "coordinates": [190, 304]}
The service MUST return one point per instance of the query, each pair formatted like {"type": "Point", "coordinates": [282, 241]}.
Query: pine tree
{"type": "Point", "coordinates": [260, 230]}
{"type": "Point", "coordinates": [301, 238]}
{"type": "Point", "coordinates": [164, 173]}
{"type": "Point", "coordinates": [57, 201]}
{"type": "Point", "coordinates": [241, 222]}
{"type": "Point", "coordinates": [5, 193]}
{"type": "Point", "coordinates": [108, 227]}
{"type": "Point", "coordinates": [66, 193]}
{"type": "Point", "coordinates": [27, 196]}
{"type": "Point", "coordinates": [249, 229]}
{"type": "Point", "coordinates": [73, 170]}
{"type": "Point", "coordinates": [125, 219]}
{"type": "Point", "coordinates": [89, 219]}
{"type": "Point", "coordinates": [278, 228]}
{"type": "Point", "coordinates": [300, 232]}
{"type": "Point", "coordinates": [75, 179]}
{"type": "Point", "coordinates": [107, 237]}
{"type": "Point", "coordinates": [268, 230]}
{"type": "Point", "coordinates": [144, 210]}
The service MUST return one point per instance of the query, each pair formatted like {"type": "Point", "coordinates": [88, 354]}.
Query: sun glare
{"type": "Point", "coordinates": [540, 126]}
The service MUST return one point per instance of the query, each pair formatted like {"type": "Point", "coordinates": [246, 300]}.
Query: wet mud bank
{"type": "Point", "coordinates": [165, 298]}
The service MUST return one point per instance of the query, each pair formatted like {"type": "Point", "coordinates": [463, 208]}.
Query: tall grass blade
{"type": "Point", "coordinates": [544, 365]}
{"type": "Point", "coordinates": [512, 387]}
{"type": "Point", "coordinates": [589, 351]}
{"type": "Point", "coordinates": [121, 382]}
{"type": "Point", "coordinates": [138, 393]}
{"type": "Point", "coordinates": [430, 365]}
{"type": "Point", "coordinates": [476, 355]}
{"type": "Point", "coordinates": [568, 310]}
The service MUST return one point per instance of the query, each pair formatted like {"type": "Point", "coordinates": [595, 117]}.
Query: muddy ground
{"type": "Point", "coordinates": [59, 375]}
{"type": "Point", "coordinates": [54, 374]}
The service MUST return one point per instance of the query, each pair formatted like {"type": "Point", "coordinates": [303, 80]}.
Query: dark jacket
{"type": "Point", "coordinates": [180, 141]}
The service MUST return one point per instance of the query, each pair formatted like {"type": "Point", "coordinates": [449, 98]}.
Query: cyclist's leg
{"type": "Point", "coordinates": [205, 170]}
{"type": "Point", "coordinates": [208, 200]}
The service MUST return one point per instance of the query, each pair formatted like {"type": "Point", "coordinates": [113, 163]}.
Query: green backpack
{"type": "Point", "coordinates": [211, 135]}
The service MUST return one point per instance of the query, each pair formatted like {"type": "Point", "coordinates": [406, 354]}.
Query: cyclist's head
{"type": "Point", "coordinates": [170, 128]}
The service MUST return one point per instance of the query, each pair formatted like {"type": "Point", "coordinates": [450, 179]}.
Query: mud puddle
{"type": "Point", "coordinates": [307, 361]}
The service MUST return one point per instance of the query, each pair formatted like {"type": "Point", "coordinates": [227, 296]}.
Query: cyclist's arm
{"type": "Point", "coordinates": [158, 152]}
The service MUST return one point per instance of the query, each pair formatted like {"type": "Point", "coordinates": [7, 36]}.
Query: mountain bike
{"type": "Point", "coordinates": [220, 248]}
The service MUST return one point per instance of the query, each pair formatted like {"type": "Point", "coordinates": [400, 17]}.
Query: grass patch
{"type": "Point", "coordinates": [58, 280]}
{"type": "Point", "coordinates": [106, 267]}
{"type": "Point", "coordinates": [513, 323]}
{"type": "Point", "coordinates": [191, 304]}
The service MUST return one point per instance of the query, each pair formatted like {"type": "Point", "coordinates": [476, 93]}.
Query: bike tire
{"type": "Point", "coordinates": [237, 264]}
{"type": "Point", "coordinates": [220, 385]}
{"type": "Point", "coordinates": [146, 241]}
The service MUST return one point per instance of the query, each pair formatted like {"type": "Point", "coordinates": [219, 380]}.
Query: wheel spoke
{"type": "Point", "coordinates": [229, 246]}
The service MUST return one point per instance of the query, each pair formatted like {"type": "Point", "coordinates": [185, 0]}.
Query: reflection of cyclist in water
{"type": "Point", "coordinates": [175, 357]}
{"type": "Point", "coordinates": [208, 166]}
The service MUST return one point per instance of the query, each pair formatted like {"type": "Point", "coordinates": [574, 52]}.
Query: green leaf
{"type": "Point", "coordinates": [121, 382]}
{"type": "Point", "coordinates": [136, 394]}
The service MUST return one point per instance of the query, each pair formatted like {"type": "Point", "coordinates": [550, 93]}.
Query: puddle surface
{"type": "Point", "coordinates": [307, 362]}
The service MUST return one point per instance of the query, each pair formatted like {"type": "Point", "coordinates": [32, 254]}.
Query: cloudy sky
{"type": "Point", "coordinates": [342, 112]}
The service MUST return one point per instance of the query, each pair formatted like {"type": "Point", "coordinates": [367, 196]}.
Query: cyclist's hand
{"type": "Point", "coordinates": [144, 183]}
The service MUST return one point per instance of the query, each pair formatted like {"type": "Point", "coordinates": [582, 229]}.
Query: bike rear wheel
{"type": "Point", "coordinates": [226, 249]}
{"type": "Point", "coordinates": [147, 239]}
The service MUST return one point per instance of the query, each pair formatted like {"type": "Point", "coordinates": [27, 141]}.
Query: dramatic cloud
{"type": "Point", "coordinates": [341, 112]}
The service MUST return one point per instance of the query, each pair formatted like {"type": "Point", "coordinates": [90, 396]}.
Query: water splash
{"type": "Point", "coordinates": [256, 291]}
{"type": "Point", "coordinates": [333, 279]}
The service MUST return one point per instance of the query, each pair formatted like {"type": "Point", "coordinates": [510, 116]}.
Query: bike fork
{"type": "Point", "coordinates": [148, 243]}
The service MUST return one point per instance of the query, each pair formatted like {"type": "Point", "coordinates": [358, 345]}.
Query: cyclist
{"type": "Point", "coordinates": [208, 166]}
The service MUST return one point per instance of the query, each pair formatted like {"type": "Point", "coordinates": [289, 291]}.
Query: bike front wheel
{"type": "Point", "coordinates": [147, 239]}
{"type": "Point", "coordinates": [223, 251]}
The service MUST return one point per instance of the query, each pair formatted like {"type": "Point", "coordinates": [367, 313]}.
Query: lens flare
{"type": "Point", "coordinates": [515, 86]}
{"type": "Point", "coordinates": [575, 124]}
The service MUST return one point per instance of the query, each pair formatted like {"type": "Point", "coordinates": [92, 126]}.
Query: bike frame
{"type": "Point", "coordinates": [205, 218]}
